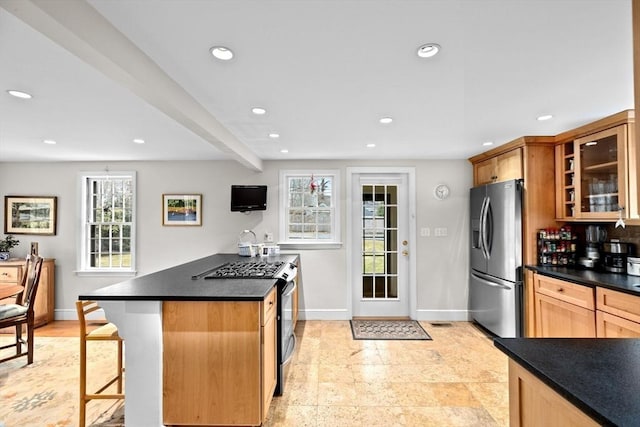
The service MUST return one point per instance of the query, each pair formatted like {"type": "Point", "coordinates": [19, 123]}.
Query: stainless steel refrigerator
{"type": "Point", "coordinates": [495, 282]}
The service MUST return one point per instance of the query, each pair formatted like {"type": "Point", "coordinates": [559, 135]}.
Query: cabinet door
{"type": "Point", "coordinates": [601, 167]}
{"type": "Point", "coordinates": [610, 326]}
{"type": "Point", "coordinates": [211, 363]}
{"type": "Point", "coordinates": [269, 367]}
{"type": "Point", "coordinates": [560, 319]}
{"type": "Point", "coordinates": [486, 171]}
{"type": "Point", "coordinates": [533, 403]}
{"type": "Point", "coordinates": [44, 305]}
{"type": "Point", "coordinates": [510, 165]}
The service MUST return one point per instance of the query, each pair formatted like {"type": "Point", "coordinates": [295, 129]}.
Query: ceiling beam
{"type": "Point", "coordinates": [82, 30]}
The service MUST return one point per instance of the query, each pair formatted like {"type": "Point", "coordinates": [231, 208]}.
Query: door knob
{"type": "Point", "coordinates": [405, 253]}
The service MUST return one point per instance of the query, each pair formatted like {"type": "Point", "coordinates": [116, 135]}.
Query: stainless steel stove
{"type": "Point", "coordinates": [246, 270]}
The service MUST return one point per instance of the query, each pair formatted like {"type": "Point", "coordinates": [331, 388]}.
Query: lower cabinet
{"type": "Point", "coordinates": [618, 314]}
{"type": "Point", "coordinates": [11, 274]}
{"type": "Point", "coordinates": [559, 319]}
{"type": "Point", "coordinates": [533, 403]}
{"type": "Point", "coordinates": [563, 309]}
{"type": "Point", "coordinates": [219, 361]}
{"type": "Point", "coordinates": [569, 310]}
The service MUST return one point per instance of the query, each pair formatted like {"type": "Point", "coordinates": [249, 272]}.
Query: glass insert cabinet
{"type": "Point", "coordinates": [592, 175]}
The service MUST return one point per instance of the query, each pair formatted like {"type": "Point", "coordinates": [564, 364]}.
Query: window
{"type": "Point", "coordinates": [309, 201]}
{"type": "Point", "coordinates": [108, 223]}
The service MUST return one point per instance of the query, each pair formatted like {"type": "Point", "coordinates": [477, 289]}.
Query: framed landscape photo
{"type": "Point", "coordinates": [182, 209]}
{"type": "Point", "coordinates": [30, 215]}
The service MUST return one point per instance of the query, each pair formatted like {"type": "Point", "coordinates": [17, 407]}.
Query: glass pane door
{"type": "Point", "coordinates": [379, 242]}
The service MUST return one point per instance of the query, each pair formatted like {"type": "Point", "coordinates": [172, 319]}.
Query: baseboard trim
{"type": "Point", "coordinates": [323, 314]}
{"type": "Point", "coordinates": [443, 315]}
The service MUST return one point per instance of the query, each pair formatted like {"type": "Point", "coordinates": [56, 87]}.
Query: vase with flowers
{"type": "Point", "coordinates": [6, 245]}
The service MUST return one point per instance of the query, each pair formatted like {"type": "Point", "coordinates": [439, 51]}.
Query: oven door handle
{"type": "Point", "coordinates": [289, 292]}
{"type": "Point", "coordinates": [293, 349]}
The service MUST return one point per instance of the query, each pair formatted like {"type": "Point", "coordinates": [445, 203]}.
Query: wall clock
{"type": "Point", "coordinates": [441, 192]}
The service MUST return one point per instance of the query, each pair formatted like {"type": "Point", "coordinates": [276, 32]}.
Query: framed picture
{"type": "Point", "coordinates": [182, 209]}
{"type": "Point", "coordinates": [30, 215]}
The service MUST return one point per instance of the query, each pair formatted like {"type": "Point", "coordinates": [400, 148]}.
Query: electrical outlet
{"type": "Point", "coordinates": [268, 237]}
{"type": "Point", "coordinates": [425, 232]}
{"type": "Point", "coordinates": [440, 231]}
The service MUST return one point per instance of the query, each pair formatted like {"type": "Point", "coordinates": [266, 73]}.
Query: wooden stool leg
{"type": "Point", "coordinates": [83, 382]}
{"type": "Point", "coordinates": [119, 366]}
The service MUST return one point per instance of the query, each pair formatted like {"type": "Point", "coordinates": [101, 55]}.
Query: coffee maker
{"type": "Point", "coordinates": [616, 254]}
{"type": "Point", "coordinates": [595, 235]}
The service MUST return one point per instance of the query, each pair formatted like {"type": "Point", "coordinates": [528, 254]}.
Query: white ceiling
{"type": "Point", "coordinates": [326, 71]}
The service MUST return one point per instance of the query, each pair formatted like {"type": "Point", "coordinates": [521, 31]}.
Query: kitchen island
{"type": "Point", "coordinates": [137, 307]}
{"type": "Point", "coordinates": [573, 381]}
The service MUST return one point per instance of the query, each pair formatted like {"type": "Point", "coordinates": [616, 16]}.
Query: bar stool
{"type": "Point", "coordinates": [106, 332]}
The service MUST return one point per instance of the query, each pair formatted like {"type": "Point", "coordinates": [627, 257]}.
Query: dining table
{"type": "Point", "coordinates": [7, 291]}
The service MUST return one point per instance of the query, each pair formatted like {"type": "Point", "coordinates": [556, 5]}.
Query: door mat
{"type": "Point", "coordinates": [388, 330]}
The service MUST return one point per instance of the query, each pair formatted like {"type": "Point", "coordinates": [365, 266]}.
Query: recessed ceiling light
{"type": "Point", "coordinates": [545, 117]}
{"type": "Point", "coordinates": [49, 141]}
{"type": "Point", "coordinates": [258, 111]}
{"type": "Point", "coordinates": [284, 151]}
{"type": "Point", "coordinates": [138, 141]}
{"type": "Point", "coordinates": [488, 143]}
{"type": "Point", "coordinates": [386, 120]}
{"type": "Point", "coordinates": [222, 53]}
{"type": "Point", "coordinates": [19, 94]}
{"type": "Point", "coordinates": [428, 50]}
{"type": "Point", "coordinates": [371, 145]}
{"type": "Point", "coordinates": [274, 135]}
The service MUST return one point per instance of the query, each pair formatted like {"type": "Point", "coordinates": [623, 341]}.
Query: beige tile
{"type": "Point", "coordinates": [457, 379]}
{"type": "Point", "coordinates": [447, 417]}
{"type": "Point", "coordinates": [335, 374]}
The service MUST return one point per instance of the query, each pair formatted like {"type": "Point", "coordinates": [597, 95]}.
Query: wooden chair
{"type": "Point", "coordinates": [21, 313]}
{"type": "Point", "coordinates": [106, 332]}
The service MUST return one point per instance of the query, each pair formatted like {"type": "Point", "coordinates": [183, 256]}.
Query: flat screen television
{"type": "Point", "coordinates": [248, 198]}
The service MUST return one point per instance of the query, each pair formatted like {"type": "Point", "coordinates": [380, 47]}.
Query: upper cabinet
{"type": "Point", "coordinates": [596, 175]}
{"type": "Point", "coordinates": [501, 167]}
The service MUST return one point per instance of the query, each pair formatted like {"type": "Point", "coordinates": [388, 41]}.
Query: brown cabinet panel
{"type": "Point", "coordinates": [572, 293]}
{"type": "Point", "coordinates": [610, 326]}
{"type": "Point", "coordinates": [219, 361]}
{"type": "Point", "coordinates": [502, 167]}
{"type": "Point", "coordinates": [560, 319]}
{"type": "Point", "coordinates": [533, 403]}
{"type": "Point", "coordinates": [11, 274]}
{"type": "Point", "coordinates": [618, 303]}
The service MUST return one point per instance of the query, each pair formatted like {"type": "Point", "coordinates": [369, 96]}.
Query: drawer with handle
{"type": "Point", "coordinates": [9, 274]}
{"type": "Point", "coordinates": [572, 293]}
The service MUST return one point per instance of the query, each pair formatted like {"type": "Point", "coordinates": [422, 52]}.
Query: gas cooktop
{"type": "Point", "coordinates": [246, 270]}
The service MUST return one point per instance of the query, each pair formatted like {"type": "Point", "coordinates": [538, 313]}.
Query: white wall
{"type": "Point", "coordinates": [442, 261]}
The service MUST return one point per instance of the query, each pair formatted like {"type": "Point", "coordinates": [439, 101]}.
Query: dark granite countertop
{"type": "Point", "coordinates": [600, 376]}
{"type": "Point", "coordinates": [618, 282]}
{"type": "Point", "coordinates": [176, 283]}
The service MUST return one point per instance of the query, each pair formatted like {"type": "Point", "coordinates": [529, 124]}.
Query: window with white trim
{"type": "Point", "coordinates": [108, 222]}
{"type": "Point", "coordinates": [309, 202]}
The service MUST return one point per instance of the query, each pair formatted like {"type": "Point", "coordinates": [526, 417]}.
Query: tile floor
{"type": "Point", "coordinates": [457, 379]}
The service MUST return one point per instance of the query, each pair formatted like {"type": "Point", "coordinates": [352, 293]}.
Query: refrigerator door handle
{"type": "Point", "coordinates": [490, 283]}
{"type": "Point", "coordinates": [484, 213]}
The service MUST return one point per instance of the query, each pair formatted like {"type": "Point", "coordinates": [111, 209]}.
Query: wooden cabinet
{"type": "Point", "coordinates": [533, 403]}
{"type": "Point", "coordinates": [596, 171]}
{"type": "Point", "coordinates": [563, 309]}
{"type": "Point", "coordinates": [219, 361]}
{"type": "Point", "coordinates": [11, 274]}
{"type": "Point", "coordinates": [617, 315]}
{"type": "Point", "coordinates": [501, 167]}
